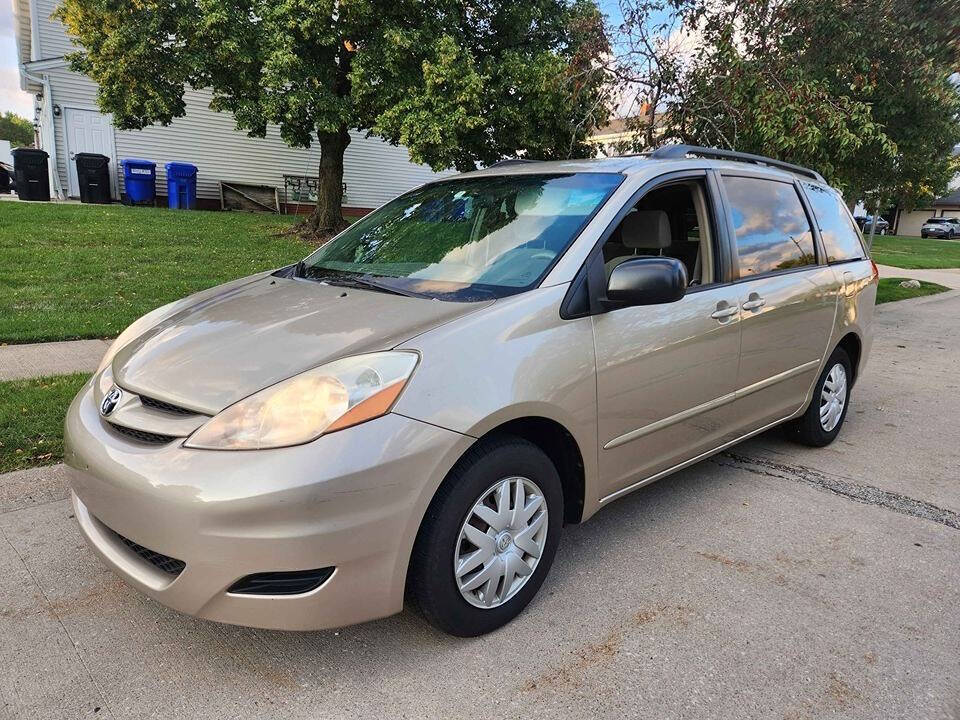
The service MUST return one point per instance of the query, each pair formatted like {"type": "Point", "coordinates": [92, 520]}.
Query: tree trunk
{"type": "Point", "coordinates": [327, 218]}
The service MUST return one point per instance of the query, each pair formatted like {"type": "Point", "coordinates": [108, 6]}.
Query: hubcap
{"type": "Point", "coordinates": [833, 397]}
{"type": "Point", "coordinates": [501, 542]}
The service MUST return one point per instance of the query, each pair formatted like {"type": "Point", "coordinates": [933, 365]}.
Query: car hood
{"type": "Point", "coordinates": [228, 345]}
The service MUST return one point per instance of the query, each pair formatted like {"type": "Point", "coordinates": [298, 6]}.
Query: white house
{"type": "Point", "coordinates": [69, 122]}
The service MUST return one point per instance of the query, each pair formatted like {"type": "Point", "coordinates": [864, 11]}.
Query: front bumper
{"type": "Point", "coordinates": [352, 500]}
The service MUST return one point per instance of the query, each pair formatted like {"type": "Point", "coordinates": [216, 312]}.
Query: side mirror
{"type": "Point", "coordinates": [646, 281]}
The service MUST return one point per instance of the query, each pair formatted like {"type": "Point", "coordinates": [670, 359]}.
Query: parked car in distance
{"type": "Point", "coordinates": [415, 410]}
{"type": "Point", "coordinates": [864, 221]}
{"type": "Point", "coordinates": [941, 227]}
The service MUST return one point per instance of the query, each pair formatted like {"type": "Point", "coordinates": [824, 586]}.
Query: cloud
{"type": "Point", "coordinates": [11, 96]}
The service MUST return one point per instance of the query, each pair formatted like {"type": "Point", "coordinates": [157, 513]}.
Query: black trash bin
{"type": "Point", "coordinates": [30, 171]}
{"type": "Point", "coordinates": [93, 175]}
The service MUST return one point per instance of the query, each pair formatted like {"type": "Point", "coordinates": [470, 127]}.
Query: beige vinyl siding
{"type": "Point", "coordinates": [53, 40]}
{"type": "Point", "coordinates": [374, 171]}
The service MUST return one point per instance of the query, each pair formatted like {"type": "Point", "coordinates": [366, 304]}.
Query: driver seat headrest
{"type": "Point", "coordinates": [646, 229]}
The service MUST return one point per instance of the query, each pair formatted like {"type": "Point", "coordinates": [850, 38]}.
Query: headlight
{"type": "Point", "coordinates": [323, 400]}
{"type": "Point", "coordinates": [138, 327]}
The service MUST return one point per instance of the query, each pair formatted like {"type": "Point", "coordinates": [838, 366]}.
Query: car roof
{"type": "Point", "coordinates": [631, 164]}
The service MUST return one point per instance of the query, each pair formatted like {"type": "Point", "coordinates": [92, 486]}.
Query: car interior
{"type": "Point", "coordinates": [670, 221]}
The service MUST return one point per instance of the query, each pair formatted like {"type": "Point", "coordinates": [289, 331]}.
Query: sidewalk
{"type": "Point", "coordinates": [948, 278]}
{"type": "Point", "coordinates": [53, 358]}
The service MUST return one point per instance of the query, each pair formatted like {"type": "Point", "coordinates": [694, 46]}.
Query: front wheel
{"type": "Point", "coordinates": [821, 422]}
{"type": "Point", "coordinates": [488, 538]}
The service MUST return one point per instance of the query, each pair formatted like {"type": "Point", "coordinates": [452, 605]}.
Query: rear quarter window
{"type": "Point", "coordinates": [841, 237]}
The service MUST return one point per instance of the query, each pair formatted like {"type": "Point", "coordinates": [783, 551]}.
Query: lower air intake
{"type": "Point", "coordinates": [164, 563]}
{"type": "Point", "coordinates": [281, 583]}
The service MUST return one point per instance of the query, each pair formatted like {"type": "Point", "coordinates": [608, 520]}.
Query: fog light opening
{"type": "Point", "coordinates": [296, 582]}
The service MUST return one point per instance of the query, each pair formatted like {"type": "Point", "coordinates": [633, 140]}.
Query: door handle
{"type": "Point", "coordinates": [755, 302]}
{"type": "Point", "coordinates": [722, 313]}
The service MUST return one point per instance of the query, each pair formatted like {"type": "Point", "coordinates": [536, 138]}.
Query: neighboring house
{"type": "Point", "coordinates": [69, 122]}
{"type": "Point", "coordinates": [613, 138]}
{"type": "Point", "coordinates": [909, 222]}
{"type": "Point", "coordinates": [620, 134]}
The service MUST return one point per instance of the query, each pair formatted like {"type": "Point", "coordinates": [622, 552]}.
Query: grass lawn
{"type": "Point", "coordinates": [31, 419]}
{"type": "Point", "coordinates": [915, 253]}
{"type": "Point", "coordinates": [88, 271]}
{"type": "Point", "coordinates": [890, 290]}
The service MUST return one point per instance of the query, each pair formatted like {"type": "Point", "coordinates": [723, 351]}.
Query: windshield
{"type": "Point", "coordinates": [468, 239]}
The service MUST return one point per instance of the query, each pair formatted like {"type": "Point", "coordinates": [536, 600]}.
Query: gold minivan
{"type": "Point", "coordinates": [415, 410]}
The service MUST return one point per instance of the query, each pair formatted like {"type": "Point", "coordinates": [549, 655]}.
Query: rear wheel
{"type": "Point", "coordinates": [488, 538]}
{"type": "Point", "coordinates": [821, 422]}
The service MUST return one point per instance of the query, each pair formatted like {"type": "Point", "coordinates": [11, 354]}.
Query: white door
{"type": "Point", "coordinates": [88, 131]}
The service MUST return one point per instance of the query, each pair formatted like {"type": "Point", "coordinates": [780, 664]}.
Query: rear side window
{"type": "Point", "coordinates": [841, 238]}
{"type": "Point", "coordinates": [771, 228]}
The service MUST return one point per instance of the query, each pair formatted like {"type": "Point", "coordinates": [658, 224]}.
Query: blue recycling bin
{"type": "Point", "coordinates": [181, 185]}
{"type": "Point", "coordinates": [139, 180]}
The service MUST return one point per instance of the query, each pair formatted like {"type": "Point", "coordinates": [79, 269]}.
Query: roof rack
{"type": "Point", "coordinates": [674, 152]}
{"type": "Point", "coordinates": [512, 161]}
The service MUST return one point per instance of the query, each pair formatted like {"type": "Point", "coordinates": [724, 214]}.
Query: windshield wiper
{"type": "Point", "coordinates": [368, 281]}
{"type": "Point", "coordinates": [333, 277]}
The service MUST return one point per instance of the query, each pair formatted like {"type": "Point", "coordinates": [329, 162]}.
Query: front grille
{"type": "Point", "coordinates": [162, 562]}
{"type": "Point", "coordinates": [282, 583]}
{"type": "Point", "coordinates": [166, 407]}
{"type": "Point", "coordinates": [142, 435]}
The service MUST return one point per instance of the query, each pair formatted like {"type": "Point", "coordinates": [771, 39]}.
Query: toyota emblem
{"type": "Point", "coordinates": [110, 400]}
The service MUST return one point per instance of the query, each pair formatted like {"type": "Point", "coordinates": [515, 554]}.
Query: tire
{"type": "Point", "coordinates": [808, 429]}
{"type": "Point", "coordinates": [432, 585]}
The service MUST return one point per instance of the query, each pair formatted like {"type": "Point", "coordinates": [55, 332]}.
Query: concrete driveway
{"type": "Point", "coordinates": [770, 582]}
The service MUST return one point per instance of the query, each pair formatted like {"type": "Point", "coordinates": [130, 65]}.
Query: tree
{"type": "Point", "coordinates": [458, 83]}
{"type": "Point", "coordinates": [18, 130]}
{"type": "Point", "coordinates": [862, 90]}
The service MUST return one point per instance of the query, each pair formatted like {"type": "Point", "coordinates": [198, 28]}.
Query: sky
{"type": "Point", "coordinates": [12, 98]}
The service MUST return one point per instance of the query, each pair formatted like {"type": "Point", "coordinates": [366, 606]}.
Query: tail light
{"type": "Point", "coordinates": [876, 271]}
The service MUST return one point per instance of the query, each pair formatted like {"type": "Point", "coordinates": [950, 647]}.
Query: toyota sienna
{"type": "Point", "coordinates": [415, 410]}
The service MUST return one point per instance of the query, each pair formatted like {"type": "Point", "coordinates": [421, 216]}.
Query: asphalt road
{"type": "Point", "coordinates": [769, 582]}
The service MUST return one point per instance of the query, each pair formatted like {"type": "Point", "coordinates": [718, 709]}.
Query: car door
{"type": "Point", "coordinates": [787, 295]}
{"type": "Point", "coordinates": [666, 373]}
